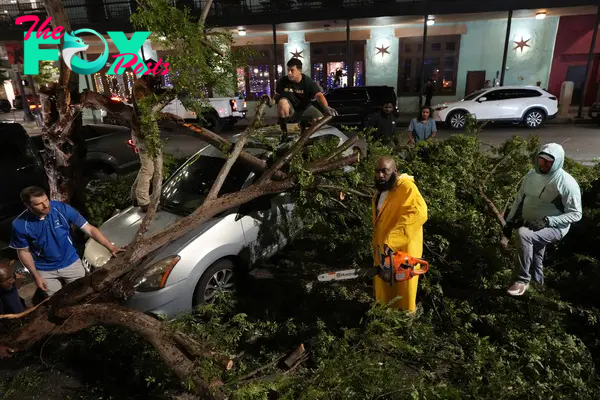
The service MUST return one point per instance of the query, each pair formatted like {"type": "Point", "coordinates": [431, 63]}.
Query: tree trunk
{"type": "Point", "coordinates": [60, 134]}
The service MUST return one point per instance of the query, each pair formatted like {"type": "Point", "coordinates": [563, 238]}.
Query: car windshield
{"type": "Point", "coordinates": [474, 94]}
{"type": "Point", "coordinates": [188, 188]}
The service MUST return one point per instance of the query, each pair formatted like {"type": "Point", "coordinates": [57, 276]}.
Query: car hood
{"type": "Point", "coordinates": [121, 229]}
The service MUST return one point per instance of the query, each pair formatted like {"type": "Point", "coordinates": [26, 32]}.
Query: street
{"type": "Point", "coordinates": [581, 141]}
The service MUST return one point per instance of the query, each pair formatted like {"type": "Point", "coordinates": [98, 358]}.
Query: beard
{"type": "Point", "coordinates": [388, 185]}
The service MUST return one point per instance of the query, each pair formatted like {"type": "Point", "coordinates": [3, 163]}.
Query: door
{"type": "Point", "coordinates": [475, 81]}
{"type": "Point", "coordinates": [266, 224]}
{"type": "Point", "coordinates": [491, 107]}
{"type": "Point", "coordinates": [576, 74]}
{"type": "Point", "coordinates": [516, 101]}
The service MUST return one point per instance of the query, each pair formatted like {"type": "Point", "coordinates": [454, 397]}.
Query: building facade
{"type": "Point", "coordinates": [372, 45]}
{"type": "Point", "coordinates": [462, 52]}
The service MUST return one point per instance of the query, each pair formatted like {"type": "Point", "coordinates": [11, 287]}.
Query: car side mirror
{"type": "Point", "coordinates": [482, 99]}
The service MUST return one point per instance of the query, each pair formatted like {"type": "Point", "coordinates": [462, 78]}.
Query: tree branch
{"type": "Point", "coordinates": [205, 11]}
{"type": "Point", "coordinates": [149, 328]}
{"type": "Point", "coordinates": [499, 217]}
{"type": "Point", "coordinates": [345, 190]}
{"type": "Point", "coordinates": [341, 149]}
{"type": "Point", "coordinates": [218, 184]}
{"type": "Point", "coordinates": [206, 211]}
{"type": "Point", "coordinates": [237, 150]}
{"type": "Point", "coordinates": [254, 163]}
{"type": "Point", "coordinates": [286, 158]}
{"type": "Point", "coordinates": [121, 112]}
{"type": "Point", "coordinates": [342, 162]}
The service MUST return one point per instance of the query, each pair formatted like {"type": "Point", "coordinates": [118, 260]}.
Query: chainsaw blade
{"type": "Point", "coordinates": [347, 274]}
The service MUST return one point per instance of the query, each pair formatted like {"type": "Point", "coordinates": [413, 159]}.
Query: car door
{"type": "Point", "coordinates": [488, 105]}
{"type": "Point", "coordinates": [519, 100]}
{"type": "Point", "coordinates": [259, 219]}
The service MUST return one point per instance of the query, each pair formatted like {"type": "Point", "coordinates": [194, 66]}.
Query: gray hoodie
{"type": "Point", "coordinates": [555, 195]}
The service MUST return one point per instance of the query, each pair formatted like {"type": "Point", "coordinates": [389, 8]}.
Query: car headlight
{"type": "Point", "coordinates": [156, 276]}
{"type": "Point", "coordinates": [441, 108]}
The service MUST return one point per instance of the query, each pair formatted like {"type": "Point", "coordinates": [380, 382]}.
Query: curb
{"type": "Point", "coordinates": [573, 120]}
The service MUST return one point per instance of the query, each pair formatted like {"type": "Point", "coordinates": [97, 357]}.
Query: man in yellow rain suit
{"type": "Point", "coordinates": [399, 212]}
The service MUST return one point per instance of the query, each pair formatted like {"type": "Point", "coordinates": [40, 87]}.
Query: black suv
{"type": "Point", "coordinates": [354, 104]}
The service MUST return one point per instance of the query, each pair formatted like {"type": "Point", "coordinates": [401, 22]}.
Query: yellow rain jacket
{"type": "Point", "coordinates": [399, 224]}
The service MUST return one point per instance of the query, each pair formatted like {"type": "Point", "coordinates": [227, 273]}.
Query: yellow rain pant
{"type": "Point", "coordinates": [399, 225]}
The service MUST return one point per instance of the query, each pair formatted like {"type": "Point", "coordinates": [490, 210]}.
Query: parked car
{"type": "Point", "coordinates": [109, 155]}
{"type": "Point", "coordinates": [594, 112]}
{"type": "Point", "coordinates": [5, 105]}
{"type": "Point", "coordinates": [192, 269]}
{"type": "Point", "coordinates": [529, 105]}
{"type": "Point", "coordinates": [354, 104]}
{"type": "Point", "coordinates": [20, 166]}
{"type": "Point", "coordinates": [109, 151]}
{"type": "Point", "coordinates": [225, 112]}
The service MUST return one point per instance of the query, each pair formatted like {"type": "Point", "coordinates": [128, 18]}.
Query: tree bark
{"type": "Point", "coordinates": [62, 142]}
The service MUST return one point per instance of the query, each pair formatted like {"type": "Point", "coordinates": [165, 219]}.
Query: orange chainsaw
{"type": "Point", "coordinates": [399, 266]}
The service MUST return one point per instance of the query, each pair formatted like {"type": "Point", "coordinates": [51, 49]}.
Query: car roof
{"type": "Point", "coordinates": [516, 87]}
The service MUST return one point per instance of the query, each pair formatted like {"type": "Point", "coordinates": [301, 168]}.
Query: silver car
{"type": "Point", "coordinates": [193, 269]}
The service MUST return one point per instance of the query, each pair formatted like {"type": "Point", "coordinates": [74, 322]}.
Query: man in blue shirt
{"type": "Point", "coordinates": [41, 235]}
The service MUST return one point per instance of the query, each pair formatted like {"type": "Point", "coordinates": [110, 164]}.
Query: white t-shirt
{"type": "Point", "coordinates": [382, 198]}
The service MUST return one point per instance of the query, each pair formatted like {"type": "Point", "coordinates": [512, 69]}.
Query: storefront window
{"type": "Point", "coordinates": [319, 75]}
{"type": "Point", "coordinates": [440, 66]}
{"type": "Point", "coordinates": [359, 74]}
{"type": "Point", "coordinates": [260, 82]}
{"type": "Point", "coordinates": [333, 67]}
{"type": "Point", "coordinates": [337, 74]}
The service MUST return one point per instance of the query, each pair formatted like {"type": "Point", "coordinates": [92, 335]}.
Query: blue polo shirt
{"type": "Point", "coordinates": [49, 238]}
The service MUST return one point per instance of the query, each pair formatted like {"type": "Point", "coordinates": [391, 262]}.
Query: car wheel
{"type": "Point", "coordinates": [217, 279]}
{"type": "Point", "coordinates": [457, 120]}
{"type": "Point", "coordinates": [212, 122]}
{"type": "Point", "coordinates": [534, 118]}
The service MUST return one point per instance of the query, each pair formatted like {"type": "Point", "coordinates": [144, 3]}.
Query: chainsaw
{"type": "Point", "coordinates": [393, 267]}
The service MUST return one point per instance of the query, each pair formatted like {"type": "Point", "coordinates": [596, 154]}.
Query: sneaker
{"type": "Point", "coordinates": [518, 288]}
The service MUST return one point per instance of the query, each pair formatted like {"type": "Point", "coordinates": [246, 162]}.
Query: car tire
{"type": "Point", "coordinates": [219, 277]}
{"type": "Point", "coordinates": [212, 122]}
{"type": "Point", "coordinates": [457, 120]}
{"type": "Point", "coordinates": [534, 118]}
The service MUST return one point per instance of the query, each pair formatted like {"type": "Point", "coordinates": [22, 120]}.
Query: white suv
{"type": "Point", "coordinates": [529, 105]}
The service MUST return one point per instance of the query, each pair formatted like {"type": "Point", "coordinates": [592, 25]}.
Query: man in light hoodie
{"type": "Point", "coordinates": [548, 202]}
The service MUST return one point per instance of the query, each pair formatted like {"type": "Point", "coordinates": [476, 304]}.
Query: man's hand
{"type": "Point", "coordinates": [331, 111]}
{"type": "Point", "coordinates": [114, 250]}
{"type": "Point", "coordinates": [537, 225]}
{"type": "Point", "coordinates": [41, 283]}
{"type": "Point", "coordinates": [6, 352]}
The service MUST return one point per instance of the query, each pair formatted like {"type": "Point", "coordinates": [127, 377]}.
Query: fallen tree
{"type": "Point", "coordinates": [94, 299]}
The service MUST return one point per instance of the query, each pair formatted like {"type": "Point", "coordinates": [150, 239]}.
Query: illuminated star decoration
{"type": "Point", "coordinates": [522, 44]}
{"type": "Point", "coordinates": [297, 54]}
{"type": "Point", "coordinates": [382, 50]}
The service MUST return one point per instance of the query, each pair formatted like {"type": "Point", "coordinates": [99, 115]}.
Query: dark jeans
{"type": "Point", "coordinates": [10, 302]}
